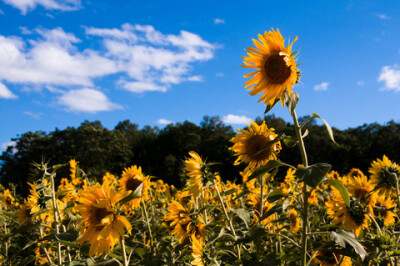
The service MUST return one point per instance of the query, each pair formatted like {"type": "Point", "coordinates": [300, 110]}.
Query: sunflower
{"type": "Point", "coordinates": [294, 221]}
{"type": "Point", "coordinates": [24, 214]}
{"type": "Point", "coordinates": [179, 218]}
{"type": "Point", "coordinates": [253, 199]}
{"type": "Point", "coordinates": [131, 179]}
{"type": "Point", "coordinates": [353, 218]}
{"type": "Point", "coordinates": [247, 145]}
{"type": "Point", "coordinates": [380, 207]}
{"type": "Point", "coordinates": [326, 257]}
{"type": "Point", "coordinates": [102, 227]}
{"type": "Point", "coordinates": [193, 169]}
{"type": "Point", "coordinates": [384, 175]}
{"type": "Point", "coordinates": [110, 179]}
{"type": "Point", "coordinates": [275, 66]}
{"type": "Point", "coordinates": [8, 200]}
{"type": "Point", "coordinates": [359, 187]}
{"type": "Point", "coordinates": [72, 167]}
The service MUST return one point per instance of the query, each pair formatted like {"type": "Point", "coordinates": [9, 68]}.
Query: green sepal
{"type": "Point", "coordinates": [313, 174]}
{"type": "Point", "coordinates": [341, 188]}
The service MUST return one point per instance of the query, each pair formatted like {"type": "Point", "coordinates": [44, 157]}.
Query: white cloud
{"type": "Point", "coordinates": [139, 87]}
{"type": "Point", "coordinates": [381, 16]}
{"type": "Point", "coordinates": [86, 100]}
{"type": "Point", "coordinates": [163, 121]}
{"type": "Point", "coordinates": [219, 21]}
{"type": "Point", "coordinates": [390, 76]}
{"type": "Point", "coordinates": [5, 93]}
{"type": "Point", "coordinates": [195, 78]}
{"type": "Point", "coordinates": [360, 82]}
{"type": "Point", "coordinates": [33, 115]}
{"type": "Point", "coordinates": [27, 5]}
{"type": "Point", "coordinates": [235, 119]}
{"type": "Point", "coordinates": [25, 30]}
{"type": "Point", "coordinates": [321, 87]}
{"type": "Point", "coordinates": [5, 145]}
{"type": "Point", "coordinates": [219, 75]}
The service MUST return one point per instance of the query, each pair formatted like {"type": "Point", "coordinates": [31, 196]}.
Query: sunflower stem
{"type": "Point", "coordinates": [148, 226]}
{"type": "Point", "coordinates": [56, 216]}
{"type": "Point", "coordinates": [261, 198]}
{"type": "Point", "coordinates": [398, 193]}
{"type": "Point", "coordinates": [227, 218]}
{"type": "Point", "coordinates": [124, 252]}
{"type": "Point", "coordinates": [305, 193]}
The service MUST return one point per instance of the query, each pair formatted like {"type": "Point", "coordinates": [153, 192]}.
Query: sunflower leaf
{"type": "Point", "coordinates": [272, 164]}
{"type": "Point", "coordinates": [270, 106]}
{"type": "Point", "coordinates": [276, 195]}
{"type": "Point", "coordinates": [270, 143]}
{"type": "Point", "coordinates": [328, 128]}
{"type": "Point", "coordinates": [243, 214]}
{"type": "Point", "coordinates": [290, 141]}
{"type": "Point", "coordinates": [342, 237]}
{"type": "Point", "coordinates": [341, 188]}
{"type": "Point", "coordinates": [137, 193]}
{"type": "Point", "coordinates": [313, 174]}
{"type": "Point", "coordinates": [274, 209]}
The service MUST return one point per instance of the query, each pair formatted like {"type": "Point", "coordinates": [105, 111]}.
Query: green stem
{"type": "Point", "coordinates": [56, 217]}
{"type": "Point", "coordinates": [261, 198]}
{"type": "Point", "coordinates": [305, 194]}
{"type": "Point", "coordinates": [148, 226]}
{"type": "Point", "coordinates": [124, 251]}
{"type": "Point", "coordinates": [227, 218]}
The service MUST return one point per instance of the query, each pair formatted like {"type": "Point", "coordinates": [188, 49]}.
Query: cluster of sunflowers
{"type": "Point", "coordinates": [278, 214]}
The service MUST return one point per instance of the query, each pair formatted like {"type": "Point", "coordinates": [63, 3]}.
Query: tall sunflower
{"type": "Point", "coordinates": [132, 177]}
{"type": "Point", "coordinates": [247, 145]}
{"type": "Point", "coordinates": [384, 175]}
{"type": "Point", "coordinates": [275, 64]}
{"type": "Point", "coordinates": [193, 168]}
{"type": "Point", "coordinates": [102, 226]}
{"type": "Point", "coordinates": [381, 207]}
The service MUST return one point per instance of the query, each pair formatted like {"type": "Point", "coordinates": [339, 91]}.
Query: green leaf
{"type": "Point", "coordinates": [137, 193]}
{"type": "Point", "coordinates": [342, 237]}
{"type": "Point", "coordinates": [341, 188]}
{"type": "Point", "coordinates": [328, 127]}
{"type": "Point", "coordinates": [272, 164]}
{"type": "Point", "coordinates": [313, 174]}
{"type": "Point", "coordinates": [111, 262]}
{"type": "Point", "coordinates": [292, 101]}
{"type": "Point", "coordinates": [270, 143]}
{"type": "Point", "coordinates": [270, 106]}
{"type": "Point", "coordinates": [274, 209]}
{"type": "Point", "coordinates": [228, 192]}
{"type": "Point", "coordinates": [141, 252]}
{"type": "Point", "coordinates": [290, 141]}
{"type": "Point", "coordinates": [71, 235]}
{"type": "Point", "coordinates": [276, 195]}
{"type": "Point", "coordinates": [243, 214]}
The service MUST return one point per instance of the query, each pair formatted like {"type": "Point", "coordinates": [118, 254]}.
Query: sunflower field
{"type": "Point", "coordinates": [278, 214]}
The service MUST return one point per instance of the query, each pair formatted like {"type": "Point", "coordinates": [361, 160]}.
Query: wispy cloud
{"type": "Point", "coordinates": [1, 12]}
{"type": "Point", "coordinates": [390, 76]}
{"type": "Point", "coordinates": [7, 144]}
{"type": "Point", "coordinates": [27, 5]}
{"type": "Point", "coordinates": [235, 119]}
{"type": "Point", "coordinates": [360, 83]}
{"type": "Point", "coordinates": [33, 115]}
{"type": "Point", "coordinates": [5, 93]}
{"type": "Point", "coordinates": [86, 100]}
{"type": "Point", "coordinates": [219, 21]}
{"type": "Point", "coordinates": [322, 86]}
{"type": "Point", "coordinates": [219, 75]}
{"type": "Point", "coordinates": [381, 16]}
{"type": "Point", "coordinates": [163, 121]}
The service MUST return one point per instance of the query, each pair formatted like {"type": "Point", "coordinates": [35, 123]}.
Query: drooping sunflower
{"type": "Point", "coordinates": [102, 226]}
{"type": "Point", "coordinates": [353, 218]}
{"type": "Point", "coordinates": [381, 207]}
{"type": "Point", "coordinates": [247, 145]}
{"type": "Point", "coordinates": [359, 187]}
{"type": "Point", "coordinates": [384, 174]}
{"type": "Point", "coordinates": [275, 65]}
{"type": "Point", "coordinates": [193, 168]}
{"type": "Point", "coordinates": [178, 218]}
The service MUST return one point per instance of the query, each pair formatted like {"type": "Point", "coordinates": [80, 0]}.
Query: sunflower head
{"type": "Point", "coordinates": [275, 67]}
{"type": "Point", "coordinates": [194, 169]}
{"type": "Point", "coordinates": [133, 177]}
{"type": "Point", "coordinates": [248, 144]}
{"type": "Point", "coordinates": [384, 175]}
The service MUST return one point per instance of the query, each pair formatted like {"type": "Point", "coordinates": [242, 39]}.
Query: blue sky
{"type": "Point", "coordinates": [156, 62]}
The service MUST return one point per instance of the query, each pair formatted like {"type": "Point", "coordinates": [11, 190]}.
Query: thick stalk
{"type": "Point", "coordinates": [148, 225]}
{"type": "Point", "coordinates": [261, 198]}
{"type": "Point", "coordinates": [305, 194]}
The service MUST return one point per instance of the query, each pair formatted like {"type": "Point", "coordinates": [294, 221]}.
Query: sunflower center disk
{"type": "Point", "coordinates": [276, 69]}
{"type": "Point", "coordinates": [253, 146]}
{"type": "Point", "coordinates": [100, 214]}
{"type": "Point", "coordinates": [133, 184]}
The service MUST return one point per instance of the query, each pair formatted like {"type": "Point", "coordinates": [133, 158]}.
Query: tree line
{"type": "Point", "coordinates": [160, 152]}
